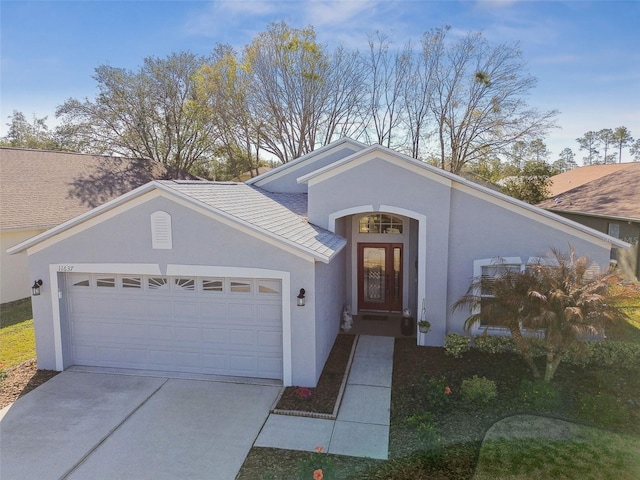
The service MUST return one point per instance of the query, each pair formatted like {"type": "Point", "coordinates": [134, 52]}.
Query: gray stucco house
{"type": "Point", "coordinates": [203, 277]}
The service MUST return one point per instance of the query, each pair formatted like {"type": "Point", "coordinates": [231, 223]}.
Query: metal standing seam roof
{"type": "Point", "coordinates": [282, 215]}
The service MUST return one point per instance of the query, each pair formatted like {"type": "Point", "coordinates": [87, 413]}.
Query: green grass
{"type": "Point", "coordinates": [591, 454]}
{"type": "Point", "coordinates": [17, 339]}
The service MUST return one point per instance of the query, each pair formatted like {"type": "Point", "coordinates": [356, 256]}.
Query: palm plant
{"type": "Point", "coordinates": [559, 298]}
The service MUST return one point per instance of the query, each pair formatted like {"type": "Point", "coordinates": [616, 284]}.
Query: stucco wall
{"type": "Point", "coordinates": [329, 289]}
{"type": "Point", "coordinates": [481, 229]}
{"type": "Point", "coordinates": [457, 228]}
{"type": "Point", "coordinates": [15, 282]}
{"type": "Point", "coordinates": [378, 185]}
{"type": "Point", "coordinates": [197, 240]}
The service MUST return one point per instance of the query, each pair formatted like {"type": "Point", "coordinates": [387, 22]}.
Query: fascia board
{"type": "Point", "coordinates": [297, 163]}
{"type": "Point", "coordinates": [376, 152]}
{"type": "Point", "coordinates": [538, 214]}
{"type": "Point", "coordinates": [594, 215]}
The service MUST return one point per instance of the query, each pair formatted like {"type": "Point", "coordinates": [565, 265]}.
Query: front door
{"type": "Point", "coordinates": [380, 276]}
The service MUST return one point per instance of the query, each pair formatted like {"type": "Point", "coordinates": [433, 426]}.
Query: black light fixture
{"type": "Point", "coordinates": [301, 298]}
{"type": "Point", "coordinates": [35, 290]}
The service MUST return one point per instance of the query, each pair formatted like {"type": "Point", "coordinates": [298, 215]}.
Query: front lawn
{"type": "Point", "coordinates": [17, 340]}
{"type": "Point", "coordinates": [439, 431]}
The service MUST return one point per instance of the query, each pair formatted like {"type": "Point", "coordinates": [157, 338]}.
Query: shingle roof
{"type": "Point", "coordinates": [579, 176]}
{"type": "Point", "coordinates": [616, 194]}
{"type": "Point", "coordinates": [41, 189]}
{"type": "Point", "coordinates": [280, 215]}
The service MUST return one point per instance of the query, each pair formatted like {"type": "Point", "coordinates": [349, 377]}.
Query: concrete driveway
{"type": "Point", "coordinates": [103, 426]}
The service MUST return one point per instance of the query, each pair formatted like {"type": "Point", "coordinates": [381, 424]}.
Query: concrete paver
{"type": "Point", "coordinates": [95, 426]}
{"type": "Point", "coordinates": [296, 433]}
{"type": "Point", "coordinates": [361, 428]}
{"type": "Point", "coordinates": [45, 433]}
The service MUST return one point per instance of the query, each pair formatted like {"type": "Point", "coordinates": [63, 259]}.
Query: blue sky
{"type": "Point", "coordinates": [585, 55]}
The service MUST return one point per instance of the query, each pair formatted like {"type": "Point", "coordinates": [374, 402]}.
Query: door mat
{"type": "Point", "coordinates": [375, 317]}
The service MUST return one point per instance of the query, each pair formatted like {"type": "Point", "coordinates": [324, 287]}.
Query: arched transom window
{"type": "Point", "coordinates": [380, 223]}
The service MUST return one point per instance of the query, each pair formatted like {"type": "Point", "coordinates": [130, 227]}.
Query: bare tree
{"type": "Point", "coordinates": [149, 113]}
{"type": "Point", "coordinates": [479, 99]}
{"type": "Point", "coordinates": [387, 75]}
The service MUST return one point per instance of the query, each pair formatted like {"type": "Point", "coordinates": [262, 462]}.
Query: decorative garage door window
{"type": "Point", "coordinates": [380, 223]}
{"type": "Point", "coordinates": [131, 282]}
{"type": "Point", "coordinates": [158, 283]}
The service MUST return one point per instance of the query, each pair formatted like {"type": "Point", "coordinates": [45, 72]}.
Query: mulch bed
{"type": "Point", "coordinates": [21, 379]}
{"type": "Point", "coordinates": [321, 399]}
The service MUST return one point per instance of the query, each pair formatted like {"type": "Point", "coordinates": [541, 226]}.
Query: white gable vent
{"type": "Point", "coordinates": [161, 231]}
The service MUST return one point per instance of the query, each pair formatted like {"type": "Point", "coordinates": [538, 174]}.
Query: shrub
{"type": "Point", "coordinates": [478, 390]}
{"type": "Point", "coordinates": [539, 395]}
{"type": "Point", "coordinates": [456, 344]}
{"type": "Point", "coordinates": [605, 353]}
{"type": "Point", "coordinates": [487, 344]}
{"type": "Point", "coordinates": [604, 409]}
{"type": "Point", "coordinates": [438, 393]}
{"type": "Point", "coordinates": [427, 433]}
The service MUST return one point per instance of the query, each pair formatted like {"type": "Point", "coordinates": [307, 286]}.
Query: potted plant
{"type": "Point", "coordinates": [407, 325]}
{"type": "Point", "coordinates": [424, 326]}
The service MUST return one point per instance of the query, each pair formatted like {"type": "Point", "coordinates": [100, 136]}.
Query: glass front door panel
{"type": "Point", "coordinates": [374, 259]}
{"type": "Point", "coordinates": [380, 276]}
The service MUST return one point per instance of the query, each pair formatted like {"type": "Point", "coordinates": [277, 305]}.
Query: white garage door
{"type": "Point", "coordinates": [222, 326]}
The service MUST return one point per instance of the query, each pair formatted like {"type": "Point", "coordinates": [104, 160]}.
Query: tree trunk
{"type": "Point", "coordinates": [525, 351]}
{"type": "Point", "coordinates": [552, 365]}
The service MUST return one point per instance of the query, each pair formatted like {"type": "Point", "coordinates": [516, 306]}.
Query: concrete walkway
{"type": "Point", "coordinates": [361, 428]}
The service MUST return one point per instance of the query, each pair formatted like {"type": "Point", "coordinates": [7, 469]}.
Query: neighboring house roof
{"type": "Point", "coordinates": [616, 195]}
{"type": "Point", "coordinates": [279, 216]}
{"type": "Point", "coordinates": [571, 179]}
{"type": "Point", "coordinates": [41, 189]}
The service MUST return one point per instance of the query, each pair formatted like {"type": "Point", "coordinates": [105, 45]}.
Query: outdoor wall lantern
{"type": "Point", "coordinates": [35, 290]}
{"type": "Point", "coordinates": [301, 298]}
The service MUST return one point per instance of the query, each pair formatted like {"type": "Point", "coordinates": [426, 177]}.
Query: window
{"type": "Point", "coordinates": [83, 282]}
{"type": "Point", "coordinates": [158, 283]}
{"type": "Point", "coordinates": [106, 282]}
{"type": "Point", "coordinates": [488, 270]}
{"type": "Point", "coordinates": [240, 286]}
{"type": "Point", "coordinates": [212, 285]}
{"type": "Point", "coordinates": [269, 286]}
{"type": "Point", "coordinates": [188, 284]}
{"type": "Point", "coordinates": [131, 282]}
{"type": "Point", "coordinates": [380, 223]}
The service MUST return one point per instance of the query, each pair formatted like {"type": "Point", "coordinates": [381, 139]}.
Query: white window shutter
{"type": "Point", "coordinates": [161, 238]}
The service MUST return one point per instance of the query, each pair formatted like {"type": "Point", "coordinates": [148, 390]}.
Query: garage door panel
{"type": "Point", "coordinates": [240, 312]}
{"type": "Point", "coordinates": [215, 336]}
{"type": "Point", "coordinates": [174, 328]}
{"type": "Point", "coordinates": [269, 339]}
{"type": "Point", "coordinates": [269, 314]}
{"type": "Point", "coordinates": [243, 337]}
